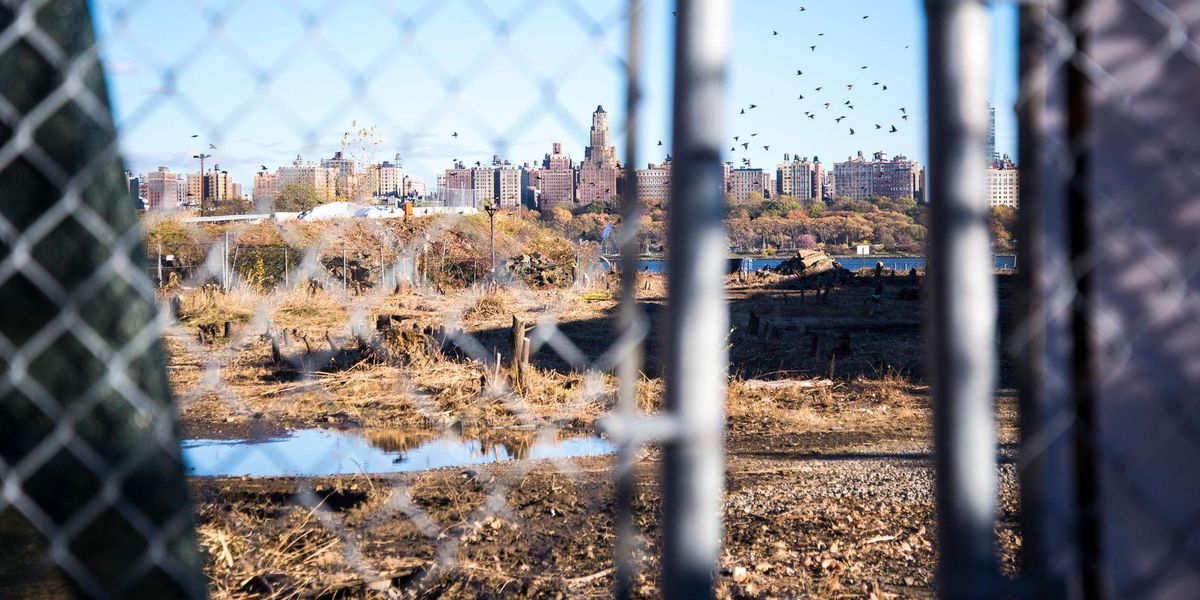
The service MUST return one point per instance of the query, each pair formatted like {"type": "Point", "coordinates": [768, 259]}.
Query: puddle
{"type": "Point", "coordinates": [321, 452]}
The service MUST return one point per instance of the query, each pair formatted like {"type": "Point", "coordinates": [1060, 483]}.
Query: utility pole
{"type": "Point", "coordinates": [491, 211]}
{"type": "Point", "coordinates": [202, 156]}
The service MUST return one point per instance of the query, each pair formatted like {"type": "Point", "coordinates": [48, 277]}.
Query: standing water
{"type": "Point", "coordinates": [321, 452]}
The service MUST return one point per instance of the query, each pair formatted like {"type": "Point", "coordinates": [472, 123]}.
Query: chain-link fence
{"type": "Point", "coordinates": [471, 405]}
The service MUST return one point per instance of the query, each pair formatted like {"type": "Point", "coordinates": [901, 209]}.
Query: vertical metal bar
{"type": "Point", "coordinates": [286, 283]}
{"type": "Point", "coordinates": [961, 316]}
{"type": "Point", "coordinates": [697, 317]}
{"type": "Point", "coordinates": [627, 318]}
{"type": "Point", "coordinates": [1083, 370]}
{"type": "Point", "coordinates": [1029, 354]}
{"type": "Point", "coordinates": [225, 263]}
{"type": "Point", "coordinates": [160, 277]}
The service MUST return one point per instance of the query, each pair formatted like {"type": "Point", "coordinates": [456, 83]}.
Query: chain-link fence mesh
{"type": "Point", "coordinates": [323, 370]}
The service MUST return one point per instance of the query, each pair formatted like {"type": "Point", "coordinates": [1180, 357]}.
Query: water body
{"type": "Point", "coordinates": [321, 452]}
{"type": "Point", "coordinates": [853, 263]}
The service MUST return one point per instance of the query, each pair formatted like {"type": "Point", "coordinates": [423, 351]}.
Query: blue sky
{"type": "Point", "coordinates": [265, 80]}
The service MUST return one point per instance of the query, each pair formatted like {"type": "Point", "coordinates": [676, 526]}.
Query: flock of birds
{"type": "Point", "coordinates": [825, 106]}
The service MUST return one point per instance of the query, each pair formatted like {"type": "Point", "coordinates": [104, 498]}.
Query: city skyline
{"type": "Point", "coordinates": [236, 89]}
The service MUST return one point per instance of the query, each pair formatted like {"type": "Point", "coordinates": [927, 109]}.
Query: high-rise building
{"type": "Point", "coordinates": [820, 184]}
{"type": "Point", "coordinates": [219, 186]}
{"type": "Point", "coordinates": [388, 178]}
{"type": "Point", "coordinates": [796, 177]}
{"type": "Point", "coordinates": [483, 181]}
{"type": "Point", "coordinates": [991, 134]}
{"type": "Point", "coordinates": [1003, 183]}
{"type": "Point", "coordinates": [555, 181]}
{"type": "Point", "coordinates": [322, 179]}
{"type": "Point", "coordinates": [748, 180]}
{"type": "Point", "coordinates": [654, 183]}
{"type": "Point", "coordinates": [161, 189]}
{"type": "Point", "coordinates": [345, 183]}
{"type": "Point", "coordinates": [862, 179]}
{"type": "Point", "coordinates": [265, 190]}
{"type": "Point", "coordinates": [599, 171]}
{"type": "Point", "coordinates": [508, 185]}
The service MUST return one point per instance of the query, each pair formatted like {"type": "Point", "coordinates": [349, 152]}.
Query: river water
{"type": "Point", "coordinates": [853, 263]}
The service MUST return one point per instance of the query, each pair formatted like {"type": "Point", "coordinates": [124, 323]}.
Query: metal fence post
{"type": "Point", "coordinates": [961, 302]}
{"type": "Point", "coordinates": [697, 317]}
{"type": "Point", "coordinates": [225, 263]}
{"type": "Point", "coordinates": [160, 277]}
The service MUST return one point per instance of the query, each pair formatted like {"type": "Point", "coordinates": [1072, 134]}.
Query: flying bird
{"type": "Point", "coordinates": [195, 135]}
{"type": "Point", "coordinates": [743, 111]}
{"type": "Point", "coordinates": [876, 83]}
{"type": "Point", "coordinates": [849, 86]}
{"type": "Point", "coordinates": [864, 67]}
{"type": "Point", "coordinates": [818, 89]}
{"type": "Point", "coordinates": [768, 148]}
{"type": "Point", "coordinates": [753, 106]}
{"type": "Point", "coordinates": [455, 134]}
{"type": "Point", "coordinates": [733, 148]}
{"type": "Point", "coordinates": [746, 145]}
{"type": "Point", "coordinates": [264, 167]}
{"type": "Point", "coordinates": [735, 138]}
{"type": "Point", "coordinates": [826, 106]}
{"type": "Point", "coordinates": [905, 117]}
{"type": "Point", "coordinates": [799, 72]}
{"type": "Point", "coordinates": [753, 134]}
{"type": "Point", "coordinates": [878, 126]}
{"type": "Point", "coordinates": [212, 147]}
{"type": "Point", "coordinates": [903, 110]}
{"type": "Point", "coordinates": [865, 16]}
{"type": "Point", "coordinates": [813, 48]}
{"type": "Point", "coordinates": [659, 142]}
{"type": "Point", "coordinates": [839, 119]}
{"type": "Point", "coordinates": [885, 88]}
{"type": "Point", "coordinates": [851, 131]}
{"type": "Point", "coordinates": [801, 97]}
{"type": "Point", "coordinates": [812, 116]}
{"type": "Point", "coordinates": [847, 103]}
{"type": "Point", "coordinates": [774, 33]}
{"type": "Point", "coordinates": [894, 130]}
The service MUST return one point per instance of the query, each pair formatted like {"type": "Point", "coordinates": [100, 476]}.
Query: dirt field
{"type": "Point", "coordinates": [829, 484]}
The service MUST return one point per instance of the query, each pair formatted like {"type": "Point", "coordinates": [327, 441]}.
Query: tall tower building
{"type": "Point", "coordinates": [555, 181]}
{"type": "Point", "coordinates": [991, 134]}
{"type": "Point", "coordinates": [599, 171]}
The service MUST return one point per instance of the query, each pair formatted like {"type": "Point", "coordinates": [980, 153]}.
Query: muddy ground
{"type": "Point", "coordinates": [829, 473]}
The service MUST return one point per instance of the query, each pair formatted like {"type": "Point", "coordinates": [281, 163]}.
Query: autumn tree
{"type": "Point", "coordinates": [298, 197]}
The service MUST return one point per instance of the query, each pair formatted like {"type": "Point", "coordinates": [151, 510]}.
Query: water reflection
{"type": "Point", "coordinates": [318, 452]}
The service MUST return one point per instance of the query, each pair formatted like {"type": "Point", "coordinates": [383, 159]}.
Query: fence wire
{"type": "Point", "coordinates": [95, 501]}
{"type": "Point", "coordinates": [85, 479]}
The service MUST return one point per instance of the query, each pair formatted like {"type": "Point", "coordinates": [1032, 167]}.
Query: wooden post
{"type": "Point", "coordinates": [519, 352]}
{"type": "Point", "coordinates": [276, 355]}
{"type": "Point", "coordinates": [228, 329]}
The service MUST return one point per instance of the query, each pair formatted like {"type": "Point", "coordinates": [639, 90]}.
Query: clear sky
{"type": "Point", "coordinates": [265, 80]}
